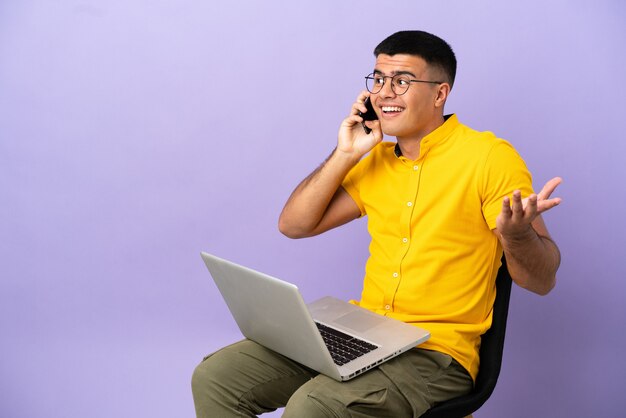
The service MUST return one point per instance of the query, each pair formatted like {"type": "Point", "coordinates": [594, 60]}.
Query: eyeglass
{"type": "Point", "coordinates": [400, 83]}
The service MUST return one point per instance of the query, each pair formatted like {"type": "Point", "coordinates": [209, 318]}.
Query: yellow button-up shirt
{"type": "Point", "coordinates": [433, 255]}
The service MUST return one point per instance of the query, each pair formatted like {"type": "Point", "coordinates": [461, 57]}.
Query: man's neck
{"type": "Point", "coordinates": [410, 146]}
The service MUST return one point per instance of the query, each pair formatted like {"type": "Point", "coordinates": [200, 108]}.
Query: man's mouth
{"type": "Point", "coordinates": [392, 109]}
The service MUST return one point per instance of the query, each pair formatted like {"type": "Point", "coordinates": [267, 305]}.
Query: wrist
{"type": "Point", "coordinates": [519, 238]}
{"type": "Point", "coordinates": [345, 157]}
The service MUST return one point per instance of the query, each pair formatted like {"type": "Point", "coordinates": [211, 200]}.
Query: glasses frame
{"type": "Point", "coordinates": [385, 77]}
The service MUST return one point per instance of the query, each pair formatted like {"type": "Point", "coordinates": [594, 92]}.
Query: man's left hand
{"type": "Point", "coordinates": [517, 214]}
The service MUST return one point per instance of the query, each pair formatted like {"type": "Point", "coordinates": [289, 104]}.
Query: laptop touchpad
{"type": "Point", "coordinates": [359, 321]}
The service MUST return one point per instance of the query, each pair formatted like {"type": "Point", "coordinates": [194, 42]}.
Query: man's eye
{"type": "Point", "coordinates": [402, 82]}
{"type": "Point", "coordinates": [379, 80]}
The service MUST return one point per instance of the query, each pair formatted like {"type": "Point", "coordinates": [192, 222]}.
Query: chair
{"type": "Point", "coordinates": [491, 349]}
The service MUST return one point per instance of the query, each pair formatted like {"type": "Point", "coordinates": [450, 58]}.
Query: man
{"type": "Point", "coordinates": [443, 203]}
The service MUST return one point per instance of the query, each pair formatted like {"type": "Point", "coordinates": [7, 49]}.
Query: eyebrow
{"type": "Point", "coordinates": [396, 73]}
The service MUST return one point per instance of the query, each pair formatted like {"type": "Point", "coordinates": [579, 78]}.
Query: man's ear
{"type": "Point", "coordinates": [442, 94]}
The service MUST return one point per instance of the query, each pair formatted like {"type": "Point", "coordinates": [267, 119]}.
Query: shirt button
{"type": "Point", "coordinates": [395, 274]}
{"type": "Point", "coordinates": [405, 240]}
{"type": "Point", "coordinates": [387, 307]}
{"type": "Point", "coordinates": [409, 204]}
{"type": "Point", "coordinates": [416, 167]}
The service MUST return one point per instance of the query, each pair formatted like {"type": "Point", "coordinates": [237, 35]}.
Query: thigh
{"type": "Point", "coordinates": [369, 395]}
{"type": "Point", "coordinates": [245, 379]}
{"type": "Point", "coordinates": [406, 386]}
{"type": "Point", "coordinates": [427, 377]}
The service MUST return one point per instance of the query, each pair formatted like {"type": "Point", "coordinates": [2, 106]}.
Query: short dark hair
{"type": "Point", "coordinates": [432, 49]}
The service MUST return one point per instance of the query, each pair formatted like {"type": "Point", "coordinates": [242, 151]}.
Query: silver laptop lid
{"type": "Point", "coordinates": [272, 313]}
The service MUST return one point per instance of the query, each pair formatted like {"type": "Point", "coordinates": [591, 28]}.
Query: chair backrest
{"type": "Point", "coordinates": [491, 349]}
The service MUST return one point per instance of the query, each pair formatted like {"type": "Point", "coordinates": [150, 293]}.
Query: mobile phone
{"type": "Point", "coordinates": [369, 115]}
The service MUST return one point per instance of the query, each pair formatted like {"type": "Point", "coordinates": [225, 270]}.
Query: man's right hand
{"type": "Point", "coordinates": [319, 203]}
{"type": "Point", "coordinates": [352, 139]}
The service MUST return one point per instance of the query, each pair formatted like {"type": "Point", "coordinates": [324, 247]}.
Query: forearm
{"type": "Point", "coordinates": [532, 260]}
{"type": "Point", "coordinates": [310, 201]}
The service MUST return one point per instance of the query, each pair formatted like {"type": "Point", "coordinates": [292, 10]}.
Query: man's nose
{"type": "Point", "coordinates": [387, 90]}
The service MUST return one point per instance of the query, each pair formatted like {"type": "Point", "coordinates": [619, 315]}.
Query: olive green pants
{"type": "Point", "coordinates": [246, 379]}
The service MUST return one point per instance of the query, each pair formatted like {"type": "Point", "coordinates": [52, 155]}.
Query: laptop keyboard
{"type": "Point", "coordinates": [343, 347]}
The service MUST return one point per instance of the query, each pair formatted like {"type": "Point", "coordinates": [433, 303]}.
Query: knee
{"type": "Point", "coordinates": [207, 380]}
{"type": "Point", "coordinates": [208, 376]}
{"type": "Point", "coordinates": [208, 383]}
{"type": "Point", "coordinates": [201, 376]}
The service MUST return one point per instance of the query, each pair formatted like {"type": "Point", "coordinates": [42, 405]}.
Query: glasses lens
{"type": "Point", "coordinates": [400, 84]}
{"type": "Point", "coordinates": [374, 83]}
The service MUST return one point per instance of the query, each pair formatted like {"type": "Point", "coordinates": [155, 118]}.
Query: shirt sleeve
{"type": "Point", "coordinates": [505, 171]}
{"type": "Point", "coordinates": [352, 182]}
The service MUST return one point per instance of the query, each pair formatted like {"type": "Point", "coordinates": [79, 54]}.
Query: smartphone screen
{"type": "Point", "coordinates": [369, 115]}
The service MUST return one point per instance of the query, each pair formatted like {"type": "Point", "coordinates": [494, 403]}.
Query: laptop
{"type": "Point", "coordinates": [331, 336]}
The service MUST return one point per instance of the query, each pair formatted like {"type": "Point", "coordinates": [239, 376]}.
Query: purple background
{"type": "Point", "coordinates": [136, 133]}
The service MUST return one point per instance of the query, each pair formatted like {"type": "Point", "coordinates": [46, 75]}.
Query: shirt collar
{"type": "Point", "coordinates": [435, 137]}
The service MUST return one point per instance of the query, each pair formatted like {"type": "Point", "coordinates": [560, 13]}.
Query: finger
{"type": "Point", "coordinates": [549, 188]}
{"type": "Point", "coordinates": [374, 125]}
{"type": "Point", "coordinates": [517, 207]}
{"type": "Point", "coordinates": [354, 119]}
{"type": "Point", "coordinates": [351, 120]}
{"type": "Point", "coordinates": [358, 107]}
{"type": "Point", "coordinates": [548, 204]}
{"type": "Point", "coordinates": [362, 96]}
{"type": "Point", "coordinates": [360, 100]}
{"type": "Point", "coordinates": [506, 208]}
{"type": "Point", "coordinates": [531, 207]}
